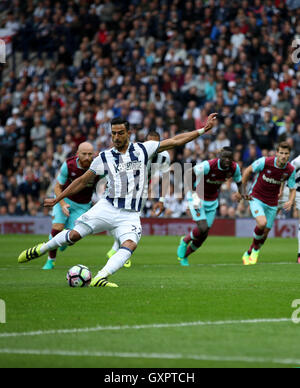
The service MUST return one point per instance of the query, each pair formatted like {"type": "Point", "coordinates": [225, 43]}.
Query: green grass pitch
{"type": "Point", "coordinates": [216, 313]}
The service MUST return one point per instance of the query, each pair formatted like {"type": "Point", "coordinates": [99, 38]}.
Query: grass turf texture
{"type": "Point", "coordinates": [156, 290]}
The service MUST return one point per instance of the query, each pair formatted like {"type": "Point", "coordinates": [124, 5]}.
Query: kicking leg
{"type": "Point", "coordinates": [116, 262]}
{"type": "Point", "coordinates": [66, 237]}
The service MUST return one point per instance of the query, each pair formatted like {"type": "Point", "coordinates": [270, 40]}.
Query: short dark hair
{"type": "Point", "coordinates": [284, 145]}
{"type": "Point", "coordinates": [120, 121]}
{"type": "Point", "coordinates": [227, 149]}
{"type": "Point", "coordinates": [154, 134]}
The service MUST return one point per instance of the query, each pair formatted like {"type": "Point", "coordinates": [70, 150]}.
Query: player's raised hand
{"type": "Point", "coordinates": [211, 121]}
{"type": "Point", "coordinates": [49, 202]}
{"type": "Point", "coordinates": [288, 206]}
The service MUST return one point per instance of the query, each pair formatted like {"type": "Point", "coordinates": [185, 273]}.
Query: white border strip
{"type": "Point", "coordinates": [138, 327]}
{"type": "Point", "coordinates": [196, 357]}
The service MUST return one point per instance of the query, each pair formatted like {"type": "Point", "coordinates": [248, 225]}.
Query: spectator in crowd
{"type": "Point", "coordinates": [163, 65]}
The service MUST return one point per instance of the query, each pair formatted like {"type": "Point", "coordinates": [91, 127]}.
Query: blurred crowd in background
{"type": "Point", "coordinates": [165, 65]}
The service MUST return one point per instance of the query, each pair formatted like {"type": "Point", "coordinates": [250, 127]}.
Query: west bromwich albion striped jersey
{"type": "Point", "coordinates": [126, 174]}
{"type": "Point", "coordinates": [159, 163]}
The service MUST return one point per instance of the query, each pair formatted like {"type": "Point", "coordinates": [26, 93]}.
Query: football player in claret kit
{"type": "Point", "coordinates": [285, 197]}
{"type": "Point", "coordinates": [118, 212]}
{"type": "Point", "coordinates": [214, 172]}
{"type": "Point", "coordinates": [66, 212]}
{"type": "Point", "coordinates": [271, 172]}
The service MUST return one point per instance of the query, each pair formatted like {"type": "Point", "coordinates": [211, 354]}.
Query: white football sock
{"type": "Point", "coordinates": [116, 262]}
{"type": "Point", "coordinates": [60, 240]}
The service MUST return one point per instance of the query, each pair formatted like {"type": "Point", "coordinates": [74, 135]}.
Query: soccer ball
{"type": "Point", "coordinates": [79, 276]}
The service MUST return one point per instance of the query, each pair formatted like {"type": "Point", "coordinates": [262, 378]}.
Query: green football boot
{"type": "Point", "coordinates": [181, 252]}
{"type": "Point", "coordinates": [246, 258]}
{"type": "Point", "coordinates": [127, 264]}
{"type": "Point", "coordinates": [184, 262]}
{"type": "Point", "coordinates": [30, 254]}
{"type": "Point", "coordinates": [110, 253]}
{"type": "Point", "coordinates": [98, 281]}
{"type": "Point", "coordinates": [254, 257]}
{"type": "Point", "coordinates": [182, 248]}
{"type": "Point", "coordinates": [50, 264]}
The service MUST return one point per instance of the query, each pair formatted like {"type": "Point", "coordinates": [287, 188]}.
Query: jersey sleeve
{"type": "Point", "coordinates": [237, 177]}
{"type": "Point", "coordinates": [63, 174]}
{"type": "Point", "coordinates": [292, 181]}
{"type": "Point", "coordinates": [151, 147]}
{"type": "Point", "coordinates": [98, 166]}
{"type": "Point", "coordinates": [202, 168]}
{"type": "Point", "coordinates": [259, 165]}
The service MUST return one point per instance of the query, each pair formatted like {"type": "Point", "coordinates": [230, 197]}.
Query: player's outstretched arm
{"type": "Point", "coordinates": [184, 138]}
{"type": "Point", "coordinates": [74, 188]}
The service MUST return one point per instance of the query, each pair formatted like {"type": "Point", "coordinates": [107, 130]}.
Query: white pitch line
{"type": "Point", "coordinates": [217, 265]}
{"type": "Point", "coordinates": [162, 265]}
{"type": "Point", "coordinates": [139, 327]}
{"type": "Point", "coordinates": [167, 356]}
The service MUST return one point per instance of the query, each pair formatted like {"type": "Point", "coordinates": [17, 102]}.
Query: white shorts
{"type": "Point", "coordinates": [285, 198]}
{"type": "Point", "coordinates": [122, 224]}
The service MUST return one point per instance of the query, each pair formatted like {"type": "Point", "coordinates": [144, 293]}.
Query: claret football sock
{"type": "Point", "coordinates": [53, 253]}
{"type": "Point", "coordinates": [258, 239]}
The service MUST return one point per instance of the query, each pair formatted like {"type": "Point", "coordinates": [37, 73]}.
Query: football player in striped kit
{"type": "Point", "coordinates": [125, 167]}
{"type": "Point", "coordinates": [159, 163]}
{"type": "Point", "coordinates": [285, 197]}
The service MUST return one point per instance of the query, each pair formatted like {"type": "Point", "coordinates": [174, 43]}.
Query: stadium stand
{"type": "Point", "coordinates": [165, 65]}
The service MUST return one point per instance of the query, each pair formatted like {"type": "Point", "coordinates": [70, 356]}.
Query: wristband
{"type": "Point", "coordinates": [201, 131]}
